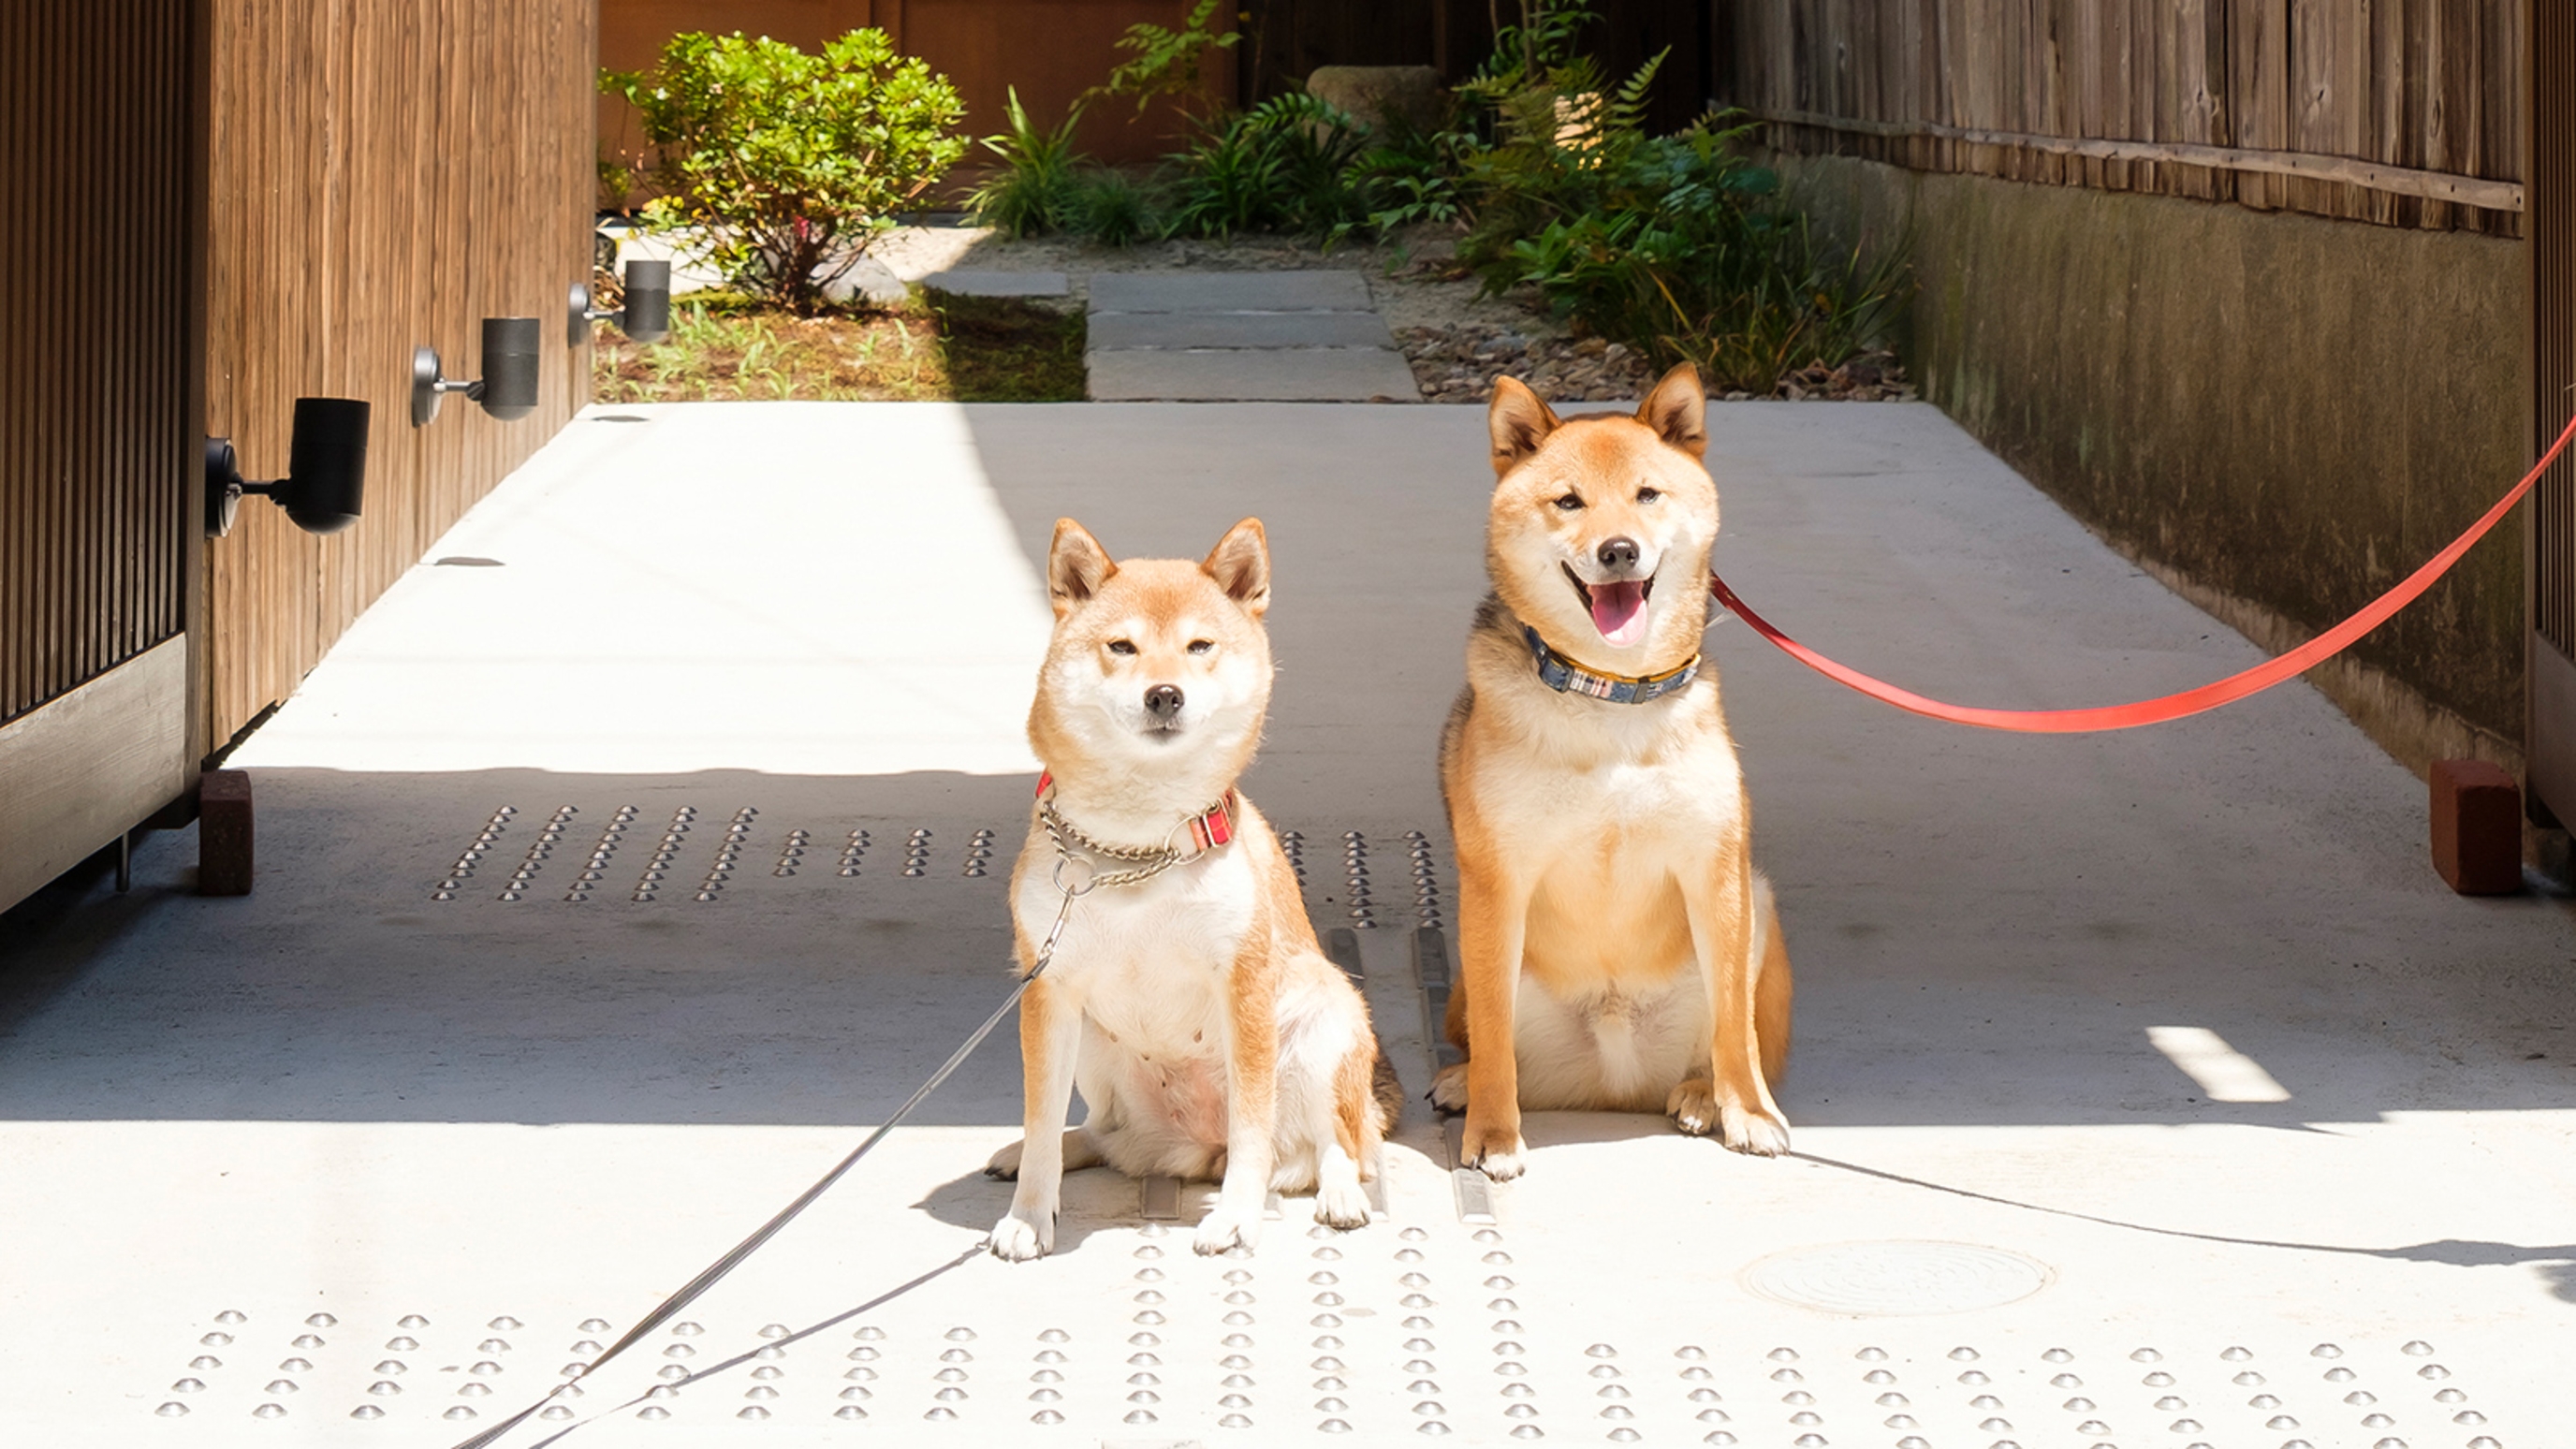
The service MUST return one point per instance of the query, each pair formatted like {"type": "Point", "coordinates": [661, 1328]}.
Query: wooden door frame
{"type": "Point", "coordinates": [2549, 244]}
{"type": "Point", "coordinates": [123, 746]}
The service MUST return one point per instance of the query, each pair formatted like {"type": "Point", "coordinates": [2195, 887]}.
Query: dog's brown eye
{"type": "Point", "coordinates": [1569, 503]}
{"type": "Point", "coordinates": [1121, 646]}
{"type": "Point", "coordinates": [1648, 495]}
{"type": "Point", "coordinates": [1201, 646]}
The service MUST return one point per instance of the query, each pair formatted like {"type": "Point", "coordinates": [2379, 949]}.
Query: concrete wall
{"type": "Point", "coordinates": [2280, 415]}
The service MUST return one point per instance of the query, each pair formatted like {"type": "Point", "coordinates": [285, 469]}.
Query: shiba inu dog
{"type": "Point", "coordinates": [1617, 949]}
{"type": "Point", "coordinates": [1187, 996]}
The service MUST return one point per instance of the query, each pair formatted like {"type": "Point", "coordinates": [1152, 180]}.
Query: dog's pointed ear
{"type": "Point", "coordinates": [1678, 410]}
{"type": "Point", "coordinates": [1518, 422]}
{"type": "Point", "coordinates": [1240, 564]}
{"type": "Point", "coordinates": [1076, 567]}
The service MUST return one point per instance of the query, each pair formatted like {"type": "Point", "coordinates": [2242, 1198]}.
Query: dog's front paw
{"type": "Point", "coordinates": [1746, 1128]}
{"type": "Point", "coordinates": [1006, 1163]}
{"type": "Point", "coordinates": [1449, 1089]}
{"type": "Point", "coordinates": [1692, 1106]}
{"type": "Point", "coordinates": [1016, 1239]}
{"type": "Point", "coordinates": [1342, 1205]}
{"type": "Point", "coordinates": [1225, 1227]}
{"type": "Point", "coordinates": [1496, 1150]}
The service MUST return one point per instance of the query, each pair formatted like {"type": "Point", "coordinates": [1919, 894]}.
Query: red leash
{"type": "Point", "coordinates": [2172, 706]}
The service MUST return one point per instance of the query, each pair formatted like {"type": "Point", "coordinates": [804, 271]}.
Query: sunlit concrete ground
{"type": "Point", "coordinates": [344, 1097]}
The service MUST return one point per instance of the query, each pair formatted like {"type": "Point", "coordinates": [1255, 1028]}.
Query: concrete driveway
{"type": "Point", "coordinates": [368, 1157]}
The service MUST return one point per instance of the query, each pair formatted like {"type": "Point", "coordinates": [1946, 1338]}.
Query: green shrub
{"type": "Point", "coordinates": [791, 162]}
{"type": "Point", "coordinates": [1109, 208]}
{"type": "Point", "coordinates": [1689, 256]}
{"type": "Point", "coordinates": [1408, 176]}
{"type": "Point", "coordinates": [1167, 62]}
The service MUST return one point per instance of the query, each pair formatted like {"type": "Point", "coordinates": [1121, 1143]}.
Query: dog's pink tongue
{"type": "Point", "coordinates": [1619, 611]}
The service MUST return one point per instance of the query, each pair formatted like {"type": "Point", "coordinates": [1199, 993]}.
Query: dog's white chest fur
{"type": "Point", "coordinates": [1149, 962]}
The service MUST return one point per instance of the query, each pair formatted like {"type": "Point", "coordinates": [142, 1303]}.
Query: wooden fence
{"type": "Point", "coordinates": [2401, 112]}
{"type": "Point", "coordinates": [382, 174]}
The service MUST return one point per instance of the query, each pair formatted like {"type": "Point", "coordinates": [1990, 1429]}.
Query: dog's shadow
{"type": "Point", "coordinates": [1093, 1199]}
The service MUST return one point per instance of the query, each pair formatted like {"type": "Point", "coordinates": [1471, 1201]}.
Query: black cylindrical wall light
{"type": "Point", "coordinates": [646, 317]}
{"type": "Point", "coordinates": [509, 367]}
{"type": "Point", "coordinates": [326, 482]}
{"type": "Point", "coordinates": [508, 387]}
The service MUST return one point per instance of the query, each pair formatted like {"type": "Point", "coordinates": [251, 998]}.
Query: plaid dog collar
{"type": "Point", "coordinates": [1208, 829]}
{"type": "Point", "coordinates": [1565, 676]}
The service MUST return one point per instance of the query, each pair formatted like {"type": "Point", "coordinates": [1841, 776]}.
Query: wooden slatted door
{"type": "Point", "coordinates": [2551, 217]}
{"type": "Point", "coordinates": [97, 406]}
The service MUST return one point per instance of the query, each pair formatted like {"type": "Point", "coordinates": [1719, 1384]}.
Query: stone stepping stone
{"type": "Point", "coordinates": [986, 282]}
{"type": "Point", "coordinates": [1241, 337]}
{"type": "Point", "coordinates": [1252, 374]}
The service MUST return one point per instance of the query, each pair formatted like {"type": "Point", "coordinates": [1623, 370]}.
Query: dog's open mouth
{"type": "Point", "coordinates": [1618, 608]}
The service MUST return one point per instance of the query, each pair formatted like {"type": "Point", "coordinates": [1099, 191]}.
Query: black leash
{"type": "Point", "coordinates": [734, 1257]}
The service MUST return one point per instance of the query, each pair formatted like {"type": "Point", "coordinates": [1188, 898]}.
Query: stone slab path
{"type": "Point", "coordinates": [1241, 337]}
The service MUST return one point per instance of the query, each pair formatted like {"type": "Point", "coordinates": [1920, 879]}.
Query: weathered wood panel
{"type": "Point", "coordinates": [2399, 112]}
{"type": "Point", "coordinates": [382, 174]}
{"type": "Point", "coordinates": [94, 340]}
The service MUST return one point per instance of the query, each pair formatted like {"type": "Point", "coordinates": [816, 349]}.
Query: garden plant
{"type": "Point", "coordinates": [1677, 245]}
{"type": "Point", "coordinates": [783, 163]}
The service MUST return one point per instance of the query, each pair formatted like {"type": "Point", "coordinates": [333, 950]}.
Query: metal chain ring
{"type": "Point", "coordinates": [1148, 862]}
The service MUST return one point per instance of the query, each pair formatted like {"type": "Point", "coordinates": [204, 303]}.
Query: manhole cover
{"type": "Point", "coordinates": [1896, 1279]}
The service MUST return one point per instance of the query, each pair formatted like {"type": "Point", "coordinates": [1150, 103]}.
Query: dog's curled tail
{"type": "Point", "coordinates": [1385, 1089]}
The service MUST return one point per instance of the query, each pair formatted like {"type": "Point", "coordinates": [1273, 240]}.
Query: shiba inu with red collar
{"type": "Point", "coordinates": [1617, 949]}
{"type": "Point", "coordinates": [1187, 996]}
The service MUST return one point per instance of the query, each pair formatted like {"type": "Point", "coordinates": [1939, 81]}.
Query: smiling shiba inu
{"type": "Point", "coordinates": [1187, 996]}
{"type": "Point", "coordinates": [1618, 951]}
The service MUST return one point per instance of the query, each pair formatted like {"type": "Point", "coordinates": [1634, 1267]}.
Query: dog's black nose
{"type": "Point", "coordinates": [1163, 700]}
{"type": "Point", "coordinates": [1617, 553]}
